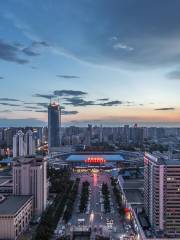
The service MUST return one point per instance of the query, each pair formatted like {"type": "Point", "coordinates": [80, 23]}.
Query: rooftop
{"type": "Point", "coordinates": [11, 204]}
{"type": "Point", "coordinates": [161, 159]}
{"type": "Point", "coordinates": [133, 184]}
{"type": "Point", "coordinates": [35, 160]}
{"type": "Point", "coordinates": [134, 196]}
{"type": "Point", "coordinates": [111, 157]}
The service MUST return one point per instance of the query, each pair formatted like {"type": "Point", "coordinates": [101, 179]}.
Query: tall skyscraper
{"type": "Point", "coordinates": [30, 178]}
{"type": "Point", "coordinates": [18, 144]}
{"type": "Point", "coordinates": [53, 125]}
{"type": "Point", "coordinates": [162, 194]}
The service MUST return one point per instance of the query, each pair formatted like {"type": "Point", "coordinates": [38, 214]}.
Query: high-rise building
{"type": "Point", "coordinates": [29, 144]}
{"type": "Point", "coordinates": [162, 194]}
{"type": "Point", "coordinates": [101, 134]}
{"type": "Point", "coordinates": [126, 134]}
{"type": "Point", "coordinates": [8, 136]}
{"type": "Point", "coordinates": [30, 178]}
{"type": "Point", "coordinates": [18, 144]}
{"type": "Point", "coordinates": [23, 144]}
{"type": "Point", "coordinates": [53, 125]}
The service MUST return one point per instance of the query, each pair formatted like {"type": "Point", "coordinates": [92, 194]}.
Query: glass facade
{"type": "Point", "coordinates": [53, 125]}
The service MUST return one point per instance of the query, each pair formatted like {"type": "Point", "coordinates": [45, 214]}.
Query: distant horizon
{"type": "Point", "coordinates": [38, 123]}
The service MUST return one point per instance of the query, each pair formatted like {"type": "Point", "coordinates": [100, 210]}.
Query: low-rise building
{"type": "Point", "coordinates": [15, 215]}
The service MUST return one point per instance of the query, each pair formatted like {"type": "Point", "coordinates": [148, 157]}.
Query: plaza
{"type": "Point", "coordinates": [95, 221]}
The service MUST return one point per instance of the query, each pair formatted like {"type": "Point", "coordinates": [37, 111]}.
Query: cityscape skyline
{"type": "Point", "coordinates": [89, 120]}
{"type": "Point", "coordinates": [103, 61]}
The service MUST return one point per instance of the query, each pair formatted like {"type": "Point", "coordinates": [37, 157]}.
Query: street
{"type": "Point", "coordinates": [107, 224]}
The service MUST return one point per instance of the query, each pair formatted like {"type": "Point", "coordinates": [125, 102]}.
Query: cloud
{"type": "Point", "coordinates": [48, 96]}
{"type": "Point", "coordinates": [31, 107]}
{"type": "Point", "coordinates": [119, 45]}
{"type": "Point", "coordinates": [174, 75]}
{"type": "Point", "coordinates": [103, 99]}
{"type": "Point", "coordinates": [23, 110]}
{"type": "Point", "coordinates": [1, 77]}
{"type": "Point", "coordinates": [9, 100]}
{"type": "Point", "coordinates": [165, 109]}
{"type": "Point", "coordinates": [69, 112]}
{"type": "Point", "coordinates": [33, 67]}
{"type": "Point", "coordinates": [114, 38]}
{"type": "Point", "coordinates": [30, 52]}
{"type": "Point", "coordinates": [67, 76]}
{"type": "Point", "coordinates": [77, 101]}
{"type": "Point", "coordinates": [5, 111]}
{"type": "Point", "coordinates": [42, 104]}
{"type": "Point", "coordinates": [40, 43]}
{"type": "Point", "coordinates": [153, 36]}
{"type": "Point", "coordinates": [41, 111]}
{"type": "Point", "coordinates": [9, 52]}
{"type": "Point", "coordinates": [13, 52]}
{"type": "Point", "coordinates": [61, 93]}
{"type": "Point", "coordinates": [111, 103]}
{"type": "Point", "coordinates": [9, 104]}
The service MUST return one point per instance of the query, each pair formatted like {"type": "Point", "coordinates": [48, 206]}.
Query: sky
{"type": "Point", "coordinates": [107, 62]}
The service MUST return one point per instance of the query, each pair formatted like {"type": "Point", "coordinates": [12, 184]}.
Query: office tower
{"type": "Point", "coordinates": [160, 132]}
{"type": "Point", "coordinates": [18, 144]}
{"type": "Point", "coordinates": [29, 144]}
{"type": "Point", "coordinates": [45, 135]}
{"type": "Point", "coordinates": [145, 133]}
{"type": "Point", "coordinates": [30, 178]}
{"type": "Point", "coordinates": [1, 135]}
{"type": "Point", "coordinates": [8, 136]}
{"type": "Point", "coordinates": [101, 134]}
{"type": "Point", "coordinates": [126, 134]}
{"type": "Point", "coordinates": [137, 135]}
{"type": "Point", "coordinates": [90, 129]}
{"type": "Point", "coordinates": [53, 125]}
{"type": "Point", "coordinates": [162, 194]}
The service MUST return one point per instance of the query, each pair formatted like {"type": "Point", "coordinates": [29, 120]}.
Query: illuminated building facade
{"type": "Point", "coordinates": [94, 160]}
{"type": "Point", "coordinates": [162, 194]}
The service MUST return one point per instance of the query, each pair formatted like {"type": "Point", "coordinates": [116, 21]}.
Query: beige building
{"type": "Point", "coordinates": [15, 215]}
{"type": "Point", "coordinates": [30, 178]}
{"type": "Point", "coordinates": [162, 194]}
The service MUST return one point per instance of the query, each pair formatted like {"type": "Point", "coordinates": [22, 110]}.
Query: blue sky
{"type": "Point", "coordinates": [107, 61]}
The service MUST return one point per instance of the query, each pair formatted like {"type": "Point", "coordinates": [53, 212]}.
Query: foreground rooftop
{"type": "Point", "coordinates": [12, 204]}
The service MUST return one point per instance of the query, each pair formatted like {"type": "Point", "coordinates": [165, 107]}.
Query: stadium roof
{"type": "Point", "coordinates": [110, 158]}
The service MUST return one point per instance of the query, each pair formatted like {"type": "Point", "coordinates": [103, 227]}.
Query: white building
{"type": "Point", "coordinates": [29, 144]}
{"type": "Point", "coordinates": [30, 178]}
{"type": "Point", "coordinates": [23, 144]}
{"type": "Point", "coordinates": [15, 215]}
{"type": "Point", "coordinates": [18, 144]}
